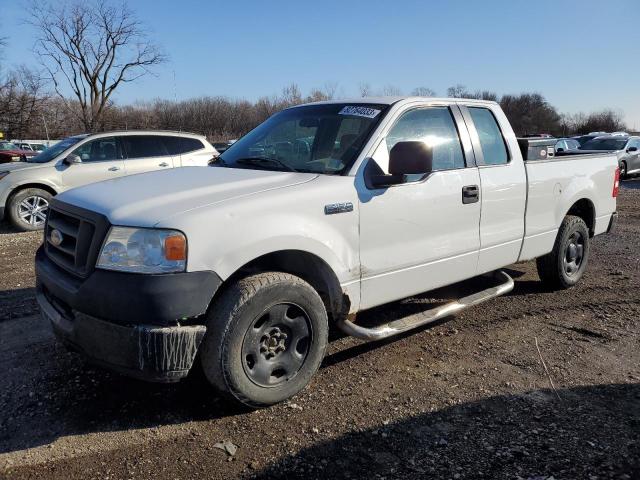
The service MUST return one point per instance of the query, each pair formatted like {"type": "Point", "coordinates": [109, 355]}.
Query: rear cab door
{"type": "Point", "coordinates": [146, 153]}
{"type": "Point", "coordinates": [503, 184]}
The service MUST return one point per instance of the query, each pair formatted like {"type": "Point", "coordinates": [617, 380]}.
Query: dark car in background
{"type": "Point", "coordinates": [627, 148]}
{"type": "Point", "coordinates": [12, 153]}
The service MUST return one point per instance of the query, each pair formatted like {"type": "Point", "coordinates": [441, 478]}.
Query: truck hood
{"type": "Point", "coordinates": [145, 199]}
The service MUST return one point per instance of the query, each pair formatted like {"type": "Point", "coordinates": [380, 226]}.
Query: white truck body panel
{"type": "Point", "coordinates": [397, 241]}
{"type": "Point", "coordinates": [552, 192]}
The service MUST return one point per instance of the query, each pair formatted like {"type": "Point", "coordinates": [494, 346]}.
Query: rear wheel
{"type": "Point", "coordinates": [28, 209]}
{"type": "Point", "coordinates": [266, 337]}
{"type": "Point", "coordinates": [565, 265]}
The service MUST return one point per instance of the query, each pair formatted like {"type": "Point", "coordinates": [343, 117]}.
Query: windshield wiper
{"type": "Point", "coordinates": [263, 161]}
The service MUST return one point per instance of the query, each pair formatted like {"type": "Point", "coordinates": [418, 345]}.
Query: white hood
{"type": "Point", "coordinates": [145, 199]}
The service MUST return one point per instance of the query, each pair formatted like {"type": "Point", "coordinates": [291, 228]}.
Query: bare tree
{"type": "Point", "coordinates": [457, 91]}
{"type": "Point", "coordinates": [92, 48]}
{"type": "Point", "coordinates": [330, 89]}
{"type": "Point", "coordinates": [365, 89]}
{"type": "Point", "coordinates": [423, 92]}
{"type": "Point", "coordinates": [391, 91]}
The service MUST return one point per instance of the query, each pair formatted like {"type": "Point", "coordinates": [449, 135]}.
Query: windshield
{"type": "Point", "coordinates": [604, 144]}
{"type": "Point", "coordinates": [315, 138]}
{"type": "Point", "coordinates": [8, 146]}
{"type": "Point", "coordinates": [53, 151]}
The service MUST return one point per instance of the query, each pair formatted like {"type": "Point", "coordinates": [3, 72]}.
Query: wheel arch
{"type": "Point", "coordinates": [306, 265]}
{"type": "Point", "coordinates": [24, 186]}
{"type": "Point", "coordinates": [585, 209]}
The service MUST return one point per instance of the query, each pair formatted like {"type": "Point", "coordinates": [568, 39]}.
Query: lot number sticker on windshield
{"type": "Point", "coordinates": [359, 111]}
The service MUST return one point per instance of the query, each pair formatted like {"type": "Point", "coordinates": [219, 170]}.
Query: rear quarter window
{"type": "Point", "coordinates": [494, 149]}
{"type": "Point", "coordinates": [179, 145]}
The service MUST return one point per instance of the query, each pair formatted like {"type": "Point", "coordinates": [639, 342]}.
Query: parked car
{"type": "Point", "coordinates": [242, 265]}
{"type": "Point", "coordinates": [566, 145]}
{"type": "Point", "coordinates": [220, 146]}
{"type": "Point", "coordinates": [582, 139]}
{"type": "Point", "coordinates": [27, 187]}
{"type": "Point", "coordinates": [13, 153]}
{"type": "Point", "coordinates": [627, 149]}
{"type": "Point", "coordinates": [33, 147]}
{"type": "Point", "coordinates": [620, 134]}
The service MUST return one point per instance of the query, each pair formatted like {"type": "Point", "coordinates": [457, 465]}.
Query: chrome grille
{"type": "Point", "coordinates": [76, 234]}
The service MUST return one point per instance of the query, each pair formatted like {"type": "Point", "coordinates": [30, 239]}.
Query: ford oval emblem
{"type": "Point", "coordinates": [56, 237]}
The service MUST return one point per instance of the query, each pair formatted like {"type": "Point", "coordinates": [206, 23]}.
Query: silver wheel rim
{"type": "Point", "coordinates": [33, 210]}
{"type": "Point", "coordinates": [574, 254]}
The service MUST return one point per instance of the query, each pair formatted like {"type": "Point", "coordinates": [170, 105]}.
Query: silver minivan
{"type": "Point", "coordinates": [27, 187]}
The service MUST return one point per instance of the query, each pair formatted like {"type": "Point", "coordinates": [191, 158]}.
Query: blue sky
{"type": "Point", "coordinates": [582, 55]}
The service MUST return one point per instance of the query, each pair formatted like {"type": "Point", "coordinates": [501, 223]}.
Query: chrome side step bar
{"type": "Point", "coordinates": [423, 318]}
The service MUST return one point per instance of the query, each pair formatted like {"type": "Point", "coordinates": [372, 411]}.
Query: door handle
{"type": "Point", "coordinates": [163, 164]}
{"type": "Point", "coordinates": [114, 169]}
{"type": "Point", "coordinates": [470, 194]}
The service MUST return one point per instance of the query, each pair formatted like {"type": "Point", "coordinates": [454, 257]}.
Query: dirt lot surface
{"type": "Point", "coordinates": [468, 398]}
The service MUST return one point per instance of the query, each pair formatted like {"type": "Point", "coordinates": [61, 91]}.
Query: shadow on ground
{"type": "Point", "coordinates": [590, 431]}
{"type": "Point", "coordinates": [47, 392]}
{"type": "Point", "coordinates": [17, 303]}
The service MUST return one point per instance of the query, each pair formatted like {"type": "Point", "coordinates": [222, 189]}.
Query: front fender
{"type": "Point", "coordinates": [227, 236]}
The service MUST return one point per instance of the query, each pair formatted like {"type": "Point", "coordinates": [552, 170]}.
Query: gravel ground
{"type": "Point", "coordinates": [468, 398]}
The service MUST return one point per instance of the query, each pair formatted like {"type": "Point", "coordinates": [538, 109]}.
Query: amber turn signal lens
{"type": "Point", "coordinates": [175, 247]}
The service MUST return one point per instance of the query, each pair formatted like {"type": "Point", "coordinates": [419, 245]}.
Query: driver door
{"type": "Point", "coordinates": [418, 236]}
{"type": "Point", "coordinates": [102, 159]}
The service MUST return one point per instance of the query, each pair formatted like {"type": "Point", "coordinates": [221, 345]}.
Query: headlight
{"type": "Point", "coordinates": [143, 250]}
{"type": "Point", "coordinates": [3, 174]}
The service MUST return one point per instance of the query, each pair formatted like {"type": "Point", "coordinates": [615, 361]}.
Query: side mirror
{"type": "Point", "coordinates": [632, 149]}
{"type": "Point", "coordinates": [72, 158]}
{"type": "Point", "coordinates": [406, 158]}
{"type": "Point", "coordinates": [559, 149]}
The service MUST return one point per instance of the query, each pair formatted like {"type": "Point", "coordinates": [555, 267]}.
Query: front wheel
{"type": "Point", "coordinates": [623, 170]}
{"type": "Point", "coordinates": [565, 265]}
{"type": "Point", "coordinates": [266, 337]}
{"type": "Point", "coordinates": [28, 209]}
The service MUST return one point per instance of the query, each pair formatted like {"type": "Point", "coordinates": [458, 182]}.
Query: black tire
{"type": "Point", "coordinates": [255, 350]}
{"type": "Point", "coordinates": [18, 213]}
{"type": "Point", "coordinates": [565, 265]}
{"type": "Point", "coordinates": [623, 170]}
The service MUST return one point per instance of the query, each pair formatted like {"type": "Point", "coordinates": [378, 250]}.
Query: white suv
{"type": "Point", "coordinates": [27, 187]}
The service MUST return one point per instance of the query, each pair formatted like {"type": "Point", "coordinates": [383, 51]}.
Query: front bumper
{"type": "Point", "coordinates": [147, 352]}
{"type": "Point", "coordinates": [130, 323]}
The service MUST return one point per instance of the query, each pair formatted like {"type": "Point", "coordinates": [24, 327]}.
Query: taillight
{"type": "Point", "coordinates": [616, 183]}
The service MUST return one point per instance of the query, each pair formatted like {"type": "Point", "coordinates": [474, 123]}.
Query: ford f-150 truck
{"type": "Point", "coordinates": [322, 211]}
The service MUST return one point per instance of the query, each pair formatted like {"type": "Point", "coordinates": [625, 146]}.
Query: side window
{"type": "Point", "coordinates": [573, 144]}
{"type": "Point", "coordinates": [191, 145]}
{"type": "Point", "coordinates": [99, 150]}
{"type": "Point", "coordinates": [492, 142]}
{"type": "Point", "coordinates": [435, 127]}
{"type": "Point", "coordinates": [173, 145]}
{"type": "Point", "coordinates": [144, 146]}
{"type": "Point", "coordinates": [178, 145]}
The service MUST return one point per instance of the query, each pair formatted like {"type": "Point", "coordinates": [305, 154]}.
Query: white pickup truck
{"type": "Point", "coordinates": [322, 211]}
